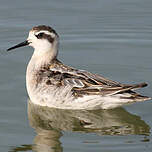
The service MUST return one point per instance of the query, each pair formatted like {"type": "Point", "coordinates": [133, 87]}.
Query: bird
{"type": "Point", "coordinates": [53, 84]}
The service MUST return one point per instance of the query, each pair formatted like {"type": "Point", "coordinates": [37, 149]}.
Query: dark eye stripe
{"type": "Point", "coordinates": [50, 39]}
{"type": "Point", "coordinates": [45, 36]}
{"type": "Point", "coordinates": [40, 35]}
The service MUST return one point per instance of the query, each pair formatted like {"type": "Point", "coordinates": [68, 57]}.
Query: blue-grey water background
{"type": "Point", "coordinates": [109, 37]}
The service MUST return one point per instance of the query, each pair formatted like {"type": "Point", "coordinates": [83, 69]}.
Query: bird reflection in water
{"type": "Point", "coordinates": [49, 124]}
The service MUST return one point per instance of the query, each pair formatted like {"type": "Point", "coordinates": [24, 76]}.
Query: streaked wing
{"type": "Point", "coordinates": [84, 82]}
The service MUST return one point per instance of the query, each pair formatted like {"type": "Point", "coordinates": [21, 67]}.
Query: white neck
{"type": "Point", "coordinates": [40, 59]}
{"type": "Point", "coordinates": [44, 55]}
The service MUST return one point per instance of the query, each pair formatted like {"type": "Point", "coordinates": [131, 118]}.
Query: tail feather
{"type": "Point", "coordinates": [136, 86]}
{"type": "Point", "coordinates": [127, 87]}
{"type": "Point", "coordinates": [135, 97]}
{"type": "Point", "coordinates": [131, 95]}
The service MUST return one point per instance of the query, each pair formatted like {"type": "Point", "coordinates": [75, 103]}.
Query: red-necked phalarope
{"type": "Point", "coordinates": [51, 83]}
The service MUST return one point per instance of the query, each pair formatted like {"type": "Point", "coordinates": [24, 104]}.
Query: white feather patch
{"type": "Point", "coordinates": [46, 32]}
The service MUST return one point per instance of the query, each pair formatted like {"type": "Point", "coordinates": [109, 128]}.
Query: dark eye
{"type": "Point", "coordinates": [40, 35]}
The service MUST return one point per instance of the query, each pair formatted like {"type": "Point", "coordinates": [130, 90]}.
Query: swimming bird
{"type": "Point", "coordinates": [51, 83]}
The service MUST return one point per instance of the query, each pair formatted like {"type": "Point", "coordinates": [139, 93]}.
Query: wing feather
{"type": "Point", "coordinates": [83, 82]}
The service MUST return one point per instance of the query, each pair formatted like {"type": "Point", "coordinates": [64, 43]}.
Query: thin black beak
{"type": "Point", "coordinates": [19, 45]}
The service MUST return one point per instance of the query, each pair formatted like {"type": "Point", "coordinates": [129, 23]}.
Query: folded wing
{"type": "Point", "coordinates": [83, 82]}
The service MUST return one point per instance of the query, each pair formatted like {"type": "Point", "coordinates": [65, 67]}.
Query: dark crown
{"type": "Point", "coordinates": [45, 28]}
{"type": "Point", "coordinates": [44, 35]}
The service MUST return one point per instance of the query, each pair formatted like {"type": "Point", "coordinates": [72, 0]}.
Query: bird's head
{"type": "Point", "coordinates": [43, 39]}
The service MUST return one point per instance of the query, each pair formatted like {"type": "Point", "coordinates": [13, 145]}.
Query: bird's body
{"type": "Point", "coordinates": [53, 84]}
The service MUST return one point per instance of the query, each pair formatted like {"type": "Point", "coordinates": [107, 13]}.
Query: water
{"type": "Point", "coordinates": [112, 38]}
